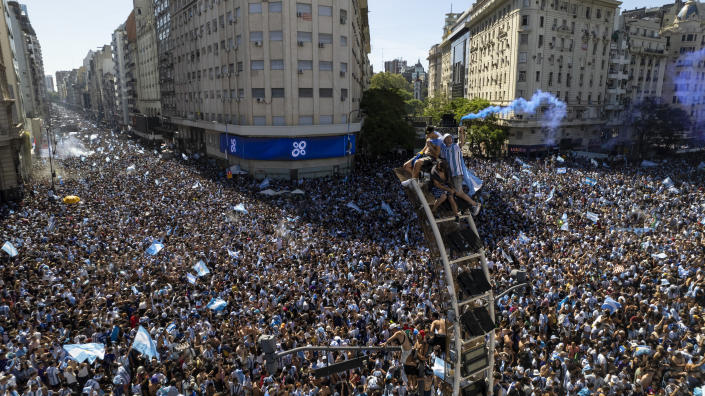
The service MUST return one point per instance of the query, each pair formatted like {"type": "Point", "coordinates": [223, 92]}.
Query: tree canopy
{"type": "Point", "coordinates": [658, 126]}
{"type": "Point", "coordinates": [385, 127]}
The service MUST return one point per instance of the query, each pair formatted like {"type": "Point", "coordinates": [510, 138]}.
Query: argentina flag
{"type": "Point", "coordinates": [201, 269]}
{"type": "Point", "coordinates": [144, 344]}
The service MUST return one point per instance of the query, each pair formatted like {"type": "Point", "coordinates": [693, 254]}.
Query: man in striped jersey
{"type": "Point", "coordinates": [453, 154]}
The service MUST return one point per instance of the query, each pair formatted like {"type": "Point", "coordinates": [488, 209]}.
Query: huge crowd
{"type": "Point", "coordinates": [344, 264]}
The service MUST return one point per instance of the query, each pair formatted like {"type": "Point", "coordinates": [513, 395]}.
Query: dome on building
{"type": "Point", "coordinates": [689, 10]}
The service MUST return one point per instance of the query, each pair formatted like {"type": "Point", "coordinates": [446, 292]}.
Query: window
{"type": "Point", "coordinates": [259, 120]}
{"type": "Point", "coordinates": [538, 76]}
{"type": "Point", "coordinates": [305, 37]}
{"type": "Point", "coordinates": [524, 20]}
{"type": "Point", "coordinates": [277, 92]}
{"type": "Point", "coordinates": [276, 35]}
{"type": "Point", "coordinates": [240, 67]}
{"type": "Point", "coordinates": [325, 10]}
{"type": "Point", "coordinates": [305, 65]}
{"type": "Point", "coordinates": [540, 40]}
{"type": "Point", "coordinates": [587, 12]}
{"type": "Point", "coordinates": [277, 64]}
{"type": "Point", "coordinates": [325, 38]}
{"type": "Point", "coordinates": [343, 67]}
{"type": "Point", "coordinates": [540, 21]}
{"type": "Point", "coordinates": [237, 13]}
{"type": "Point", "coordinates": [255, 8]}
{"type": "Point", "coordinates": [343, 17]}
{"type": "Point", "coordinates": [522, 57]}
{"type": "Point", "coordinates": [257, 65]}
{"type": "Point", "coordinates": [305, 92]}
{"type": "Point", "coordinates": [258, 92]}
{"type": "Point", "coordinates": [278, 121]}
{"type": "Point", "coordinates": [343, 41]}
{"type": "Point", "coordinates": [241, 93]}
{"type": "Point", "coordinates": [302, 9]}
{"type": "Point", "coordinates": [325, 119]}
{"type": "Point", "coordinates": [344, 94]}
{"type": "Point", "coordinates": [325, 92]}
{"type": "Point", "coordinates": [522, 76]}
{"type": "Point", "coordinates": [324, 65]}
{"type": "Point", "coordinates": [275, 7]}
{"type": "Point", "coordinates": [523, 38]}
{"type": "Point", "coordinates": [256, 36]}
{"type": "Point", "coordinates": [306, 120]}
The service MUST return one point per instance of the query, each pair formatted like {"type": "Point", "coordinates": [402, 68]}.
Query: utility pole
{"type": "Point", "coordinates": [51, 152]}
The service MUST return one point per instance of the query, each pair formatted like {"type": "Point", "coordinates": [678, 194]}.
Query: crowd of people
{"type": "Point", "coordinates": [344, 264]}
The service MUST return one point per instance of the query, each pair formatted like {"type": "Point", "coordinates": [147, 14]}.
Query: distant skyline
{"type": "Point", "coordinates": [68, 29]}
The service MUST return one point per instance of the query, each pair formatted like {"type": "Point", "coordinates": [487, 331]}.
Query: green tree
{"type": "Point", "coordinates": [486, 137]}
{"type": "Point", "coordinates": [385, 127]}
{"type": "Point", "coordinates": [435, 107]}
{"type": "Point", "coordinates": [657, 126]}
{"type": "Point", "coordinates": [392, 81]}
{"type": "Point", "coordinates": [414, 107]}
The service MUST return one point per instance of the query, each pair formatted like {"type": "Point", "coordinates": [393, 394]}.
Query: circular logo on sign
{"type": "Point", "coordinates": [233, 145]}
{"type": "Point", "coordinates": [299, 149]}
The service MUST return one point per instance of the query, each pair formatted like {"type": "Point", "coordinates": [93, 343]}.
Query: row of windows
{"type": "Point", "coordinates": [260, 93]}
{"type": "Point", "coordinates": [323, 119]}
{"type": "Point", "coordinates": [275, 64]}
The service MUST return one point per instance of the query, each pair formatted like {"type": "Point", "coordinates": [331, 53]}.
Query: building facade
{"type": "Point", "coordinates": [119, 47]}
{"type": "Point", "coordinates": [395, 66]}
{"type": "Point", "coordinates": [271, 86]}
{"type": "Point", "coordinates": [30, 65]}
{"type": "Point", "coordinates": [147, 58]}
{"type": "Point", "coordinates": [49, 81]}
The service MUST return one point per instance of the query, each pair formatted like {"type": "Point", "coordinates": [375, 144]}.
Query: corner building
{"type": "Point", "coordinates": [272, 86]}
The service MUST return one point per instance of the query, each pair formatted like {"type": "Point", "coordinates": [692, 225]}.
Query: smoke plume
{"type": "Point", "coordinates": [551, 118]}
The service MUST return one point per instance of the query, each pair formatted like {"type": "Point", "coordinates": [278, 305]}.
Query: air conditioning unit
{"type": "Point", "coordinates": [260, 100]}
{"type": "Point", "coordinates": [258, 43]}
{"type": "Point", "coordinates": [301, 43]}
{"type": "Point", "coordinates": [342, 74]}
{"type": "Point", "coordinates": [321, 45]}
{"type": "Point", "coordinates": [301, 71]}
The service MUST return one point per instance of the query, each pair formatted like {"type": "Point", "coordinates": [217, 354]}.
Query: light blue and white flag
{"type": "Point", "coordinates": [564, 222]}
{"type": "Point", "coordinates": [144, 344]}
{"type": "Point", "coordinates": [9, 249]}
{"type": "Point", "coordinates": [83, 352]}
{"type": "Point", "coordinates": [659, 255]}
{"type": "Point", "coordinates": [667, 182]}
{"type": "Point", "coordinates": [505, 255]}
{"type": "Point", "coordinates": [191, 278]}
{"type": "Point", "coordinates": [439, 368]}
{"type": "Point", "coordinates": [473, 182]}
{"type": "Point", "coordinates": [171, 328]}
{"type": "Point", "coordinates": [611, 305]}
{"type": "Point", "coordinates": [196, 185]}
{"type": "Point", "coordinates": [560, 159]}
{"type": "Point", "coordinates": [154, 248]}
{"type": "Point", "coordinates": [522, 237]}
{"type": "Point", "coordinates": [498, 176]}
{"type": "Point", "coordinates": [589, 181]}
{"type": "Point", "coordinates": [594, 163]}
{"type": "Point", "coordinates": [519, 161]}
{"type": "Point", "coordinates": [264, 184]}
{"type": "Point", "coordinates": [51, 224]}
{"type": "Point", "coordinates": [642, 350]}
{"type": "Point", "coordinates": [201, 269]}
{"type": "Point", "coordinates": [550, 195]}
{"type": "Point", "coordinates": [354, 207]}
{"type": "Point", "coordinates": [217, 304]}
{"type": "Point", "coordinates": [240, 208]}
{"type": "Point", "coordinates": [135, 291]}
{"type": "Point", "coordinates": [233, 254]}
{"type": "Point", "coordinates": [561, 170]}
{"type": "Point", "coordinates": [592, 216]}
{"type": "Point", "coordinates": [387, 208]}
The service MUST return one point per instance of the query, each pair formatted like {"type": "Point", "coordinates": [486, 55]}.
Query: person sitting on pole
{"type": "Point", "coordinates": [426, 157]}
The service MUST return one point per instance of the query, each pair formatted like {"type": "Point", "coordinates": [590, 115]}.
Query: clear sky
{"type": "Point", "coordinates": [67, 29]}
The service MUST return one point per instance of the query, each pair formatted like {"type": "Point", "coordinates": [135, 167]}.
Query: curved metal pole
{"type": "Point", "coordinates": [338, 348]}
{"type": "Point", "coordinates": [449, 280]}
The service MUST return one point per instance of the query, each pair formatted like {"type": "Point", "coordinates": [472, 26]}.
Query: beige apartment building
{"type": "Point", "coordinates": [272, 86]}
{"type": "Point", "coordinates": [147, 60]}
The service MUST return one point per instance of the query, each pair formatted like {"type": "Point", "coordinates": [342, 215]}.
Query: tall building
{"type": "Point", "coordinates": [15, 149]}
{"type": "Point", "coordinates": [119, 48]}
{"type": "Point", "coordinates": [396, 66]}
{"type": "Point", "coordinates": [62, 84]}
{"type": "Point", "coordinates": [49, 80]}
{"type": "Point", "coordinates": [273, 86]}
{"type": "Point", "coordinates": [148, 102]}
{"type": "Point", "coordinates": [130, 53]}
{"type": "Point", "coordinates": [101, 85]}
{"type": "Point", "coordinates": [29, 62]}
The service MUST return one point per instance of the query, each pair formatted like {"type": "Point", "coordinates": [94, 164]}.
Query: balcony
{"type": "Point", "coordinates": [616, 90]}
{"type": "Point", "coordinates": [617, 76]}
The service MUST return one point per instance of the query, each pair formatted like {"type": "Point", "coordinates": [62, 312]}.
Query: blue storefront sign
{"type": "Point", "coordinates": [287, 149]}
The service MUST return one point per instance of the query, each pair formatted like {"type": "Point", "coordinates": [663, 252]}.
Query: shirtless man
{"type": "Point", "coordinates": [402, 339]}
{"type": "Point", "coordinates": [438, 329]}
{"type": "Point", "coordinates": [431, 151]}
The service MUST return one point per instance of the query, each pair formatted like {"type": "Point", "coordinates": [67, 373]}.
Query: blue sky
{"type": "Point", "coordinates": [67, 29]}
